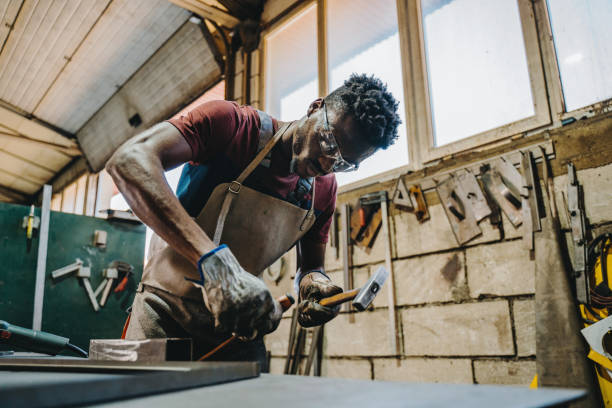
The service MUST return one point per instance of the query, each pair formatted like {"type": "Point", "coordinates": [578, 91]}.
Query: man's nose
{"type": "Point", "coordinates": [326, 163]}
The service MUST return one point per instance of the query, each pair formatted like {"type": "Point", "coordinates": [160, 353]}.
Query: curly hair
{"type": "Point", "coordinates": [367, 99]}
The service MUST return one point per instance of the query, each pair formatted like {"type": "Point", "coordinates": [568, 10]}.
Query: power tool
{"type": "Point", "coordinates": [36, 341]}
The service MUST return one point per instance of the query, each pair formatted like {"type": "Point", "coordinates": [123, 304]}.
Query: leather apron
{"type": "Point", "coordinates": [257, 227]}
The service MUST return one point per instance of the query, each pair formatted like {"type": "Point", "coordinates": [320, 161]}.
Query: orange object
{"type": "Point", "coordinates": [125, 327]}
{"type": "Point", "coordinates": [121, 286]}
{"type": "Point", "coordinates": [362, 217]}
{"type": "Point", "coordinates": [285, 301]}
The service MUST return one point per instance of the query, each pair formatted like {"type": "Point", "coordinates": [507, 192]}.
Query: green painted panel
{"type": "Point", "coordinates": [66, 309]}
{"type": "Point", "coordinates": [17, 266]}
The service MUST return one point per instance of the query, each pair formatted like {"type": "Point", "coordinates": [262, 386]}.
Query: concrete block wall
{"type": "Point", "coordinates": [466, 314]}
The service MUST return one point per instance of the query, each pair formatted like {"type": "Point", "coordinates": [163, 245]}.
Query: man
{"type": "Point", "coordinates": [256, 185]}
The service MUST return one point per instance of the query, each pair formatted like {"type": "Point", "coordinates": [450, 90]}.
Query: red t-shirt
{"type": "Point", "coordinates": [224, 138]}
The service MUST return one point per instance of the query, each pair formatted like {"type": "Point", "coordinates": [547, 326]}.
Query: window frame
{"type": "Point", "coordinates": [542, 64]}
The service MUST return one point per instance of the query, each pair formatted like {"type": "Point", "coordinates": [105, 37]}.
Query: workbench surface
{"type": "Point", "coordinates": [282, 391]}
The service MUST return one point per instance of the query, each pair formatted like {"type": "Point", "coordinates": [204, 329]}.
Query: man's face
{"type": "Point", "coordinates": [310, 157]}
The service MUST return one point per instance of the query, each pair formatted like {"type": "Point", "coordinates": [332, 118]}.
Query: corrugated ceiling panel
{"type": "Point", "coordinates": [44, 39]}
{"type": "Point", "coordinates": [128, 33]}
{"type": "Point", "coordinates": [46, 158]}
{"type": "Point", "coordinates": [8, 13]}
{"type": "Point", "coordinates": [177, 73]}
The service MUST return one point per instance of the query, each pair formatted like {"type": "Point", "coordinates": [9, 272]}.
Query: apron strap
{"type": "Point", "coordinates": [234, 187]}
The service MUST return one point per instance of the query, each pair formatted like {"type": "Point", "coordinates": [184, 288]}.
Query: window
{"type": "Point", "coordinates": [582, 33]}
{"type": "Point", "coordinates": [362, 37]}
{"type": "Point", "coordinates": [291, 66]}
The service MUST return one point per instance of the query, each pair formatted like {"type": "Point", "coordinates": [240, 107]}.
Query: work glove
{"type": "Point", "coordinates": [240, 303]}
{"type": "Point", "coordinates": [314, 287]}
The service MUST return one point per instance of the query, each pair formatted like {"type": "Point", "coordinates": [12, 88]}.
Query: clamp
{"type": "Point", "coordinates": [83, 273]}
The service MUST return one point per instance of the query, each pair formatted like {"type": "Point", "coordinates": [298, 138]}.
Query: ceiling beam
{"type": "Point", "coordinates": [13, 195]}
{"type": "Point", "coordinates": [32, 129]}
{"type": "Point", "coordinates": [68, 151]}
{"type": "Point", "coordinates": [207, 11]}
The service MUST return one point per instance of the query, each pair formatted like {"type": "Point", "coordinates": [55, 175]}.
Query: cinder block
{"type": "Point", "coordinates": [500, 269]}
{"type": "Point", "coordinates": [597, 187]}
{"type": "Point", "coordinates": [525, 326]}
{"type": "Point", "coordinates": [368, 336]}
{"type": "Point", "coordinates": [340, 368]}
{"type": "Point", "coordinates": [504, 372]}
{"type": "Point", "coordinates": [435, 234]}
{"type": "Point", "coordinates": [276, 342]}
{"type": "Point", "coordinates": [277, 365]}
{"type": "Point", "coordinates": [430, 370]}
{"type": "Point", "coordinates": [432, 278]}
{"type": "Point", "coordinates": [458, 330]}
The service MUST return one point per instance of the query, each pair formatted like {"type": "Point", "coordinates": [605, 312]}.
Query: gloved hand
{"type": "Point", "coordinates": [314, 287]}
{"type": "Point", "coordinates": [240, 303]}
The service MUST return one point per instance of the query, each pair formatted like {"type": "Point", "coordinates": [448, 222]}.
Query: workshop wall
{"type": "Point", "coordinates": [466, 314]}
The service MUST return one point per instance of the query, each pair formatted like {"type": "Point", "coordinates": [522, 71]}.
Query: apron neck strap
{"type": "Point", "coordinates": [262, 154]}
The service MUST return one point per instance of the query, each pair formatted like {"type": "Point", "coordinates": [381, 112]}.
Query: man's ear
{"type": "Point", "coordinates": [314, 106]}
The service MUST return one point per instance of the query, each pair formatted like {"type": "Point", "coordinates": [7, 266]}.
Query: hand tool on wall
{"type": "Point", "coordinates": [502, 183]}
{"type": "Point", "coordinates": [30, 223]}
{"type": "Point", "coordinates": [346, 252]}
{"type": "Point", "coordinates": [470, 192]}
{"type": "Point", "coordinates": [421, 212]}
{"type": "Point", "coordinates": [109, 274]}
{"type": "Point", "coordinates": [458, 210]}
{"type": "Point", "coordinates": [578, 224]}
{"type": "Point", "coordinates": [123, 268]}
{"type": "Point", "coordinates": [530, 200]}
{"type": "Point", "coordinates": [285, 301]}
{"type": "Point", "coordinates": [83, 273]}
{"type": "Point", "coordinates": [35, 340]}
{"type": "Point", "coordinates": [401, 196]}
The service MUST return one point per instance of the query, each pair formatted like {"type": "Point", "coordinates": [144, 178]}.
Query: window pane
{"type": "Point", "coordinates": [582, 31]}
{"type": "Point", "coordinates": [477, 66]}
{"type": "Point", "coordinates": [363, 38]}
{"type": "Point", "coordinates": [291, 67]}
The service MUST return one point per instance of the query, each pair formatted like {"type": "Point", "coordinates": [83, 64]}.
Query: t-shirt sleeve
{"type": "Point", "coordinates": [319, 232]}
{"type": "Point", "coordinates": [209, 128]}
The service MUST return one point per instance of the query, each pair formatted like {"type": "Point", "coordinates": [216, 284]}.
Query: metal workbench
{"type": "Point", "coordinates": [34, 382]}
{"type": "Point", "coordinates": [281, 391]}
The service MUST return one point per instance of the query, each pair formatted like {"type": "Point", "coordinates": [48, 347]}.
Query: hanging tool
{"type": "Point", "coordinates": [502, 183]}
{"type": "Point", "coordinates": [285, 301]}
{"type": "Point", "coordinates": [470, 193]}
{"type": "Point", "coordinates": [35, 340]}
{"type": "Point", "coordinates": [578, 225]}
{"type": "Point", "coordinates": [458, 210]}
{"type": "Point", "coordinates": [30, 223]}
{"type": "Point", "coordinates": [109, 274]}
{"type": "Point", "coordinates": [346, 252]}
{"type": "Point", "coordinates": [529, 194]}
{"type": "Point", "coordinates": [83, 273]}
{"type": "Point", "coordinates": [401, 196]}
{"type": "Point", "coordinates": [421, 212]}
{"type": "Point", "coordinates": [126, 269]}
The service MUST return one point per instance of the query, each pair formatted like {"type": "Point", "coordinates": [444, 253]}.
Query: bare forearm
{"type": "Point", "coordinates": [139, 175]}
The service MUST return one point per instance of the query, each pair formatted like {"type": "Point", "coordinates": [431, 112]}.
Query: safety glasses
{"type": "Point", "coordinates": [330, 148]}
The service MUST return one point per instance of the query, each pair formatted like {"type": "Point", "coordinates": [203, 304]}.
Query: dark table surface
{"type": "Point", "coordinates": [281, 391]}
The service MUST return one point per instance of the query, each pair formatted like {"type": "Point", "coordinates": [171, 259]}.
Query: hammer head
{"type": "Point", "coordinates": [369, 291]}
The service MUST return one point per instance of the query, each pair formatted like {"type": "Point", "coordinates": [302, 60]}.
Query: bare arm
{"type": "Point", "coordinates": [311, 255]}
{"type": "Point", "coordinates": [137, 168]}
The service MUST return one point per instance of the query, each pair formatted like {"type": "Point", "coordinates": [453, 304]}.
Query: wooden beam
{"type": "Point", "coordinates": [69, 151]}
{"type": "Point", "coordinates": [207, 11]}
{"type": "Point", "coordinates": [13, 194]}
{"type": "Point", "coordinates": [21, 125]}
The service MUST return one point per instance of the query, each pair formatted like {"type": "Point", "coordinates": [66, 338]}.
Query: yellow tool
{"type": "Point", "coordinates": [597, 309]}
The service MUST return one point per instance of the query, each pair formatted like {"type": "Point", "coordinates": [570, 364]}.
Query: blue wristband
{"type": "Point", "coordinates": [202, 259]}
{"type": "Point", "coordinates": [299, 275]}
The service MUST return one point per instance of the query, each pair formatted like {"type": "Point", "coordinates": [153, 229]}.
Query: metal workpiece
{"type": "Point", "coordinates": [599, 336]}
{"type": "Point", "coordinates": [41, 264]}
{"type": "Point", "coordinates": [69, 382]}
{"type": "Point", "coordinates": [530, 206]}
{"type": "Point", "coordinates": [470, 192]}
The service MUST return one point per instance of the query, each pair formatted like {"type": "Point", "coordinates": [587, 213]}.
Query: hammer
{"type": "Point", "coordinates": [361, 297]}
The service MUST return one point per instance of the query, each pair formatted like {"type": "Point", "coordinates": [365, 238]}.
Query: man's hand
{"type": "Point", "coordinates": [239, 302]}
{"type": "Point", "coordinates": [314, 287]}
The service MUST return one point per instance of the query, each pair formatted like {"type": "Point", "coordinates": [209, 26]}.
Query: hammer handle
{"type": "Point", "coordinates": [340, 298]}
